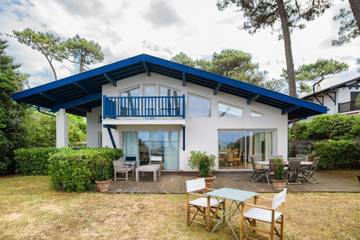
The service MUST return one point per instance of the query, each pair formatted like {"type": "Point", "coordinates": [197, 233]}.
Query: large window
{"type": "Point", "coordinates": [166, 91]}
{"type": "Point", "coordinates": [149, 90]}
{"type": "Point", "coordinates": [199, 106]}
{"type": "Point", "coordinates": [144, 144]}
{"type": "Point", "coordinates": [225, 110]}
{"type": "Point", "coordinates": [133, 92]}
{"type": "Point", "coordinates": [236, 147]}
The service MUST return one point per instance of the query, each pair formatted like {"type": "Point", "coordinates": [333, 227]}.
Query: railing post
{"type": "Point", "coordinates": [183, 106]}
{"type": "Point", "coordinates": [104, 106]}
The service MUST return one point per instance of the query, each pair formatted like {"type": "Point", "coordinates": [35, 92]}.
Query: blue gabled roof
{"type": "Point", "coordinates": [81, 92]}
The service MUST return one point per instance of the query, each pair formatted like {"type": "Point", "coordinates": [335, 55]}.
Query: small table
{"type": "Point", "coordinates": [237, 198]}
{"type": "Point", "coordinates": [154, 168]}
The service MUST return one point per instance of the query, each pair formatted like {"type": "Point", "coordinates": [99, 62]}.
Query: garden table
{"type": "Point", "coordinates": [267, 163]}
{"type": "Point", "coordinates": [237, 198]}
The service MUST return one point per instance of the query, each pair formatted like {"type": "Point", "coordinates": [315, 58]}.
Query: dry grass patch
{"type": "Point", "coordinates": [31, 210]}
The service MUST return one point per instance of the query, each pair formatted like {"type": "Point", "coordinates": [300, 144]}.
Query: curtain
{"type": "Point", "coordinates": [171, 151]}
{"type": "Point", "coordinates": [268, 145]}
{"type": "Point", "coordinates": [131, 145]}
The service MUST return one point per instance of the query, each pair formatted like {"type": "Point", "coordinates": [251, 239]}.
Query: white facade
{"type": "Point", "coordinates": [341, 95]}
{"type": "Point", "coordinates": [201, 133]}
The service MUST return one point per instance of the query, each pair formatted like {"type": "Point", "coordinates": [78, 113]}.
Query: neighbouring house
{"type": "Point", "coordinates": [153, 107]}
{"type": "Point", "coordinates": [339, 97]}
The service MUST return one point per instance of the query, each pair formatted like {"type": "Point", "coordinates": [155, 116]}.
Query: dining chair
{"type": "Point", "coordinates": [273, 215]}
{"type": "Point", "coordinates": [202, 209]}
{"type": "Point", "coordinates": [308, 174]}
{"type": "Point", "coordinates": [293, 170]}
{"type": "Point", "coordinates": [157, 160]}
{"type": "Point", "coordinates": [258, 173]}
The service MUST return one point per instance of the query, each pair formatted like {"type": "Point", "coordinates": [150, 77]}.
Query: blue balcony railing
{"type": "Point", "coordinates": [146, 107]}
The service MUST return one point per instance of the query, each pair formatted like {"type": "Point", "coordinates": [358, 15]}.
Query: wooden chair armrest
{"type": "Point", "coordinates": [264, 198]}
{"type": "Point", "coordinates": [258, 206]}
{"type": "Point", "coordinates": [198, 194]}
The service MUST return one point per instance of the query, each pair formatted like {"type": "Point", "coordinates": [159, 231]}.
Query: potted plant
{"type": "Point", "coordinates": [204, 163]}
{"type": "Point", "coordinates": [102, 174]}
{"type": "Point", "coordinates": [279, 174]}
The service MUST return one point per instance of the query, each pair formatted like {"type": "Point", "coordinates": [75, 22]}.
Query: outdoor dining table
{"type": "Point", "coordinates": [267, 163]}
{"type": "Point", "coordinates": [237, 198]}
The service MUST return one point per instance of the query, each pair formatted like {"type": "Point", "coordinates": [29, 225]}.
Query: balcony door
{"type": "Point", "coordinates": [153, 143]}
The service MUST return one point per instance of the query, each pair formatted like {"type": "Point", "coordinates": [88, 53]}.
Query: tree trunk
{"type": "Point", "coordinates": [355, 7]}
{"type": "Point", "coordinates": [288, 51]}
{"type": "Point", "coordinates": [81, 64]}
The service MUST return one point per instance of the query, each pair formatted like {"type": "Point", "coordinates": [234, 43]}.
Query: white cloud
{"type": "Point", "coordinates": [162, 28]}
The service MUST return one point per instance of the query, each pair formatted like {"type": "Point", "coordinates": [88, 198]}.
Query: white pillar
{"type": "Point", "coordinates": [62, 136]}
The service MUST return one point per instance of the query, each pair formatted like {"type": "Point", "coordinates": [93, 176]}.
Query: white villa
{"type": "Point", "coordinates": [149, 106]}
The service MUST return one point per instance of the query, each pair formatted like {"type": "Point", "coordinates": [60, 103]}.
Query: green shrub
{"type": "Point", "coordinates": [203, 162]}
{"type": "Point", "coordinates": [325, 127]}
{"type": "Point", "coordinates": [74, 170]}
{"type": "Point", "coordinates": [338, 154]}
{"type": "Point", "coordinates": [33, 161]}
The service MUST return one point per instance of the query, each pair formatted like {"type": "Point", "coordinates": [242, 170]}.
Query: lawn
{"type": "Point", "coordinates": [30, 209]}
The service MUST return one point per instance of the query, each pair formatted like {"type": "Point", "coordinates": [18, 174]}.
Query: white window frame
{"type": "Point", "coordinates": [230, 105]}
{"type": "Point", "coordinates": [188, 105]}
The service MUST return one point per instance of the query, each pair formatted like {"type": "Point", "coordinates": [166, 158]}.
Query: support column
{"type": "Point", "coordinates": [62, 136]}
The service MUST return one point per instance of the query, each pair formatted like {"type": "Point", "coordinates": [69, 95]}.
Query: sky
{"type": "Point", "coordinates": [163, 28]}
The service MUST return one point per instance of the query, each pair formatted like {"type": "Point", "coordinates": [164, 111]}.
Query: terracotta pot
{"type": "Point", "coordinates": [209, 181]}
{"type": "Point", "coordinates": [103, 186]}
{"type": "Point", "coordinates": [278, 185]}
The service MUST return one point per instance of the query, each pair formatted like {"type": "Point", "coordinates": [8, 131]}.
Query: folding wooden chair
{"type": "Point", "coordinates": [268, 215]}
{"type": "Point", "coordinates": [203, 209]}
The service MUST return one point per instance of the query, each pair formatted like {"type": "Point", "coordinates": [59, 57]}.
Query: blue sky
{"type": "Point", "coordinates": [162, 28]}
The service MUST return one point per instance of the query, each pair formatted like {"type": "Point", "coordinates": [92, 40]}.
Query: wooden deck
{"type": "Point", "coordinates": [330, 181]}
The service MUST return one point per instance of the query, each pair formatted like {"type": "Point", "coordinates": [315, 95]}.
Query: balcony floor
{"type": "Point", "coordinates": [174, 182]}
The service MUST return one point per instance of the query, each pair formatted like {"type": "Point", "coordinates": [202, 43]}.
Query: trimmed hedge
{"type": "Point", "coordinates": [324, 127]}
{"type": "Point", "coordinates": [75, 170]}
{"type": "Point", "coordinates": [338, 154]}
{"type": "Point", "coordinates": [33, 161]}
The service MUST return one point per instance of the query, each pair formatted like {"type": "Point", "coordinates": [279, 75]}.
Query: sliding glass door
{"type": "Point", "coordinates": [155, 143]}
{"type": "Point", "coordinates": [236, 147]}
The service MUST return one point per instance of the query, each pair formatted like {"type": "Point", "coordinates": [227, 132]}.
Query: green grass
{"type": "Point", "coordinates": [30, 209]}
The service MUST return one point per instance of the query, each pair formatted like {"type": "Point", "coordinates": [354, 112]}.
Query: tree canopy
{"type": "Point", "coordinates": [11, 113]}
{"type": "Point", "coordinates": [348, 29]}
{"type": "Point", "coordinates": [320, 69]}
{"type": "Point", "coordinates": [76, 50]}
{"type": "Point", "coordinates": [268, 13]}
{"type": "Point", "coordinates": [48, 44]}
{"type": "Point", "coordinates": [231, 63]}
{"type": "Point", "coordinates": [81, 51]}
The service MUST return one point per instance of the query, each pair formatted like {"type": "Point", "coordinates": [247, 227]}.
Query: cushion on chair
{"type": "Point", "coordinates": [202, 202]}
{"type": "Point", "coordinates": [261, 214]}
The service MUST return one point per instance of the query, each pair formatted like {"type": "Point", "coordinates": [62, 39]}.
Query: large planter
{"type": "Point", "coordinates": [209, 181]}
{"type": "Point", "coordinates": [103, 186]}
{"type": "Point", "coordinates": [278, 185]}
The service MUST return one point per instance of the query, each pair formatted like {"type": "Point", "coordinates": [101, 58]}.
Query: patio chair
{"type": "Point", "coordinates": [203, 209]}
{"type": "Point", "coordinates": [120, 167]}
{"type": "Point", "coordinates": [293, 170]}
{"type": "Point", "coordinates": [258, 173]}
{"type": "Point", "coordinates": [157, 160]}
{"type": "Point", "coordinates": [308, 174]}
{"type": "Point", "coordinates": [269, 215]}
{"type": "Point", "coordinates": [302, 156]}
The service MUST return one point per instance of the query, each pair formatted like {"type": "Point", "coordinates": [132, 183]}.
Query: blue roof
{"type": "Point", "coordinates": [81, 92]}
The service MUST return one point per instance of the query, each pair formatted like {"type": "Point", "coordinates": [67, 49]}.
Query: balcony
{"type": "Point", "coordinates": [348, 107]}
{"type": "Point", "coordinates": [152, 107]}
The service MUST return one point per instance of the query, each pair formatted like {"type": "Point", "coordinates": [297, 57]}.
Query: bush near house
{"type": "Point", "coordinates": [338, 154]}
{"type": "Point", "coordinates": [335, 139]}
{"type": "Point", "coordinates": [75, 170]}
{"type": "Point", "coordinates": [33, 161]}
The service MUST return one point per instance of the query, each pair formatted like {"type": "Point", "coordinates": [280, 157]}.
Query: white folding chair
{"type": "Point", "coordinates": [202, 207]}
{"type": "Point", "coordinates": [269, 215]}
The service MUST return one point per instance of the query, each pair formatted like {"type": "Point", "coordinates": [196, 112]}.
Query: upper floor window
{"type": "Point", "coordinates": [225, 110]}
{"type": "Point", "coordinates": [165, 91]}
{"type": "Point", "coordinates": [256, 114]}
{"type": "Point", "coordinates": [199, 106]}
{"type": "Point", "coordinates": [149, 90]}
{"type": "Point", "coordinates": [133, 92]}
